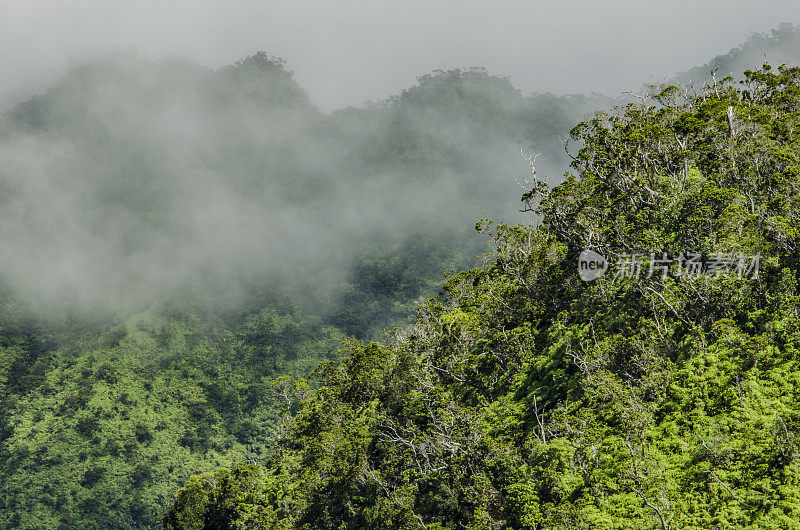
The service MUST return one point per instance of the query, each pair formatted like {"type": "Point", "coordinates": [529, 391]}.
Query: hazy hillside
{"type": "Point", "coordinates": [175, 238]}
{"type": "Point", "coordinates": [185, 250]}
{"type": "Point", "coordinates": [527, 397]}
{"type": "Point", "coordinates": [780, 46]}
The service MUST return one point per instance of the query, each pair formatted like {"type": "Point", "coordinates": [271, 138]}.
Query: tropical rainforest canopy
{"type": "Point", "coordinates": [200, 345]}
{"type": "Point", "coordinates": [524, 397]}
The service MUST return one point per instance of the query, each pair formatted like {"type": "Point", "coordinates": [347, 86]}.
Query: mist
{"type": "Point", "coordinates": [143, 157]}
{"type": "Point", "coordinates": [133, 180]}
{"type": "Point", "coordinates": [348, 52]}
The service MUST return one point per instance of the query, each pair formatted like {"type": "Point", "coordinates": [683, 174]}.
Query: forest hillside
{"type": "Point", "coordinates": [659, 395]}
{"type": "Point", "coordinates": [198, 266]}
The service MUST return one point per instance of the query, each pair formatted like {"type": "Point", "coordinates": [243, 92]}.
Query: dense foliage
{"type": "Point", "coordinates": [524, 397]}
{"type": "Point", "coordinates": [183, 247]}
{"type": "Point", "coordinates": [177, 241]}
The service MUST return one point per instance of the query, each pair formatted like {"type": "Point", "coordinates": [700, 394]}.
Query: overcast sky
{"type": "Point", "coordinates": [345, 52]}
